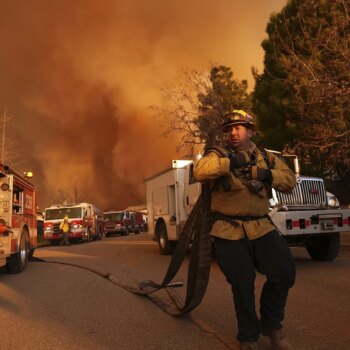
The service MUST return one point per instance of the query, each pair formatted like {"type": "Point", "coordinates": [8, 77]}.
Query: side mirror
{"type": "Point", "coordinates": [296, 166]}
{"type": "Point", "coordinates": [295, 162]}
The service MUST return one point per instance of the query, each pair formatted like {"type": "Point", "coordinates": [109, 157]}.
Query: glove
{"type": "Point", "coordinates": [238, 159]}
{"type": "Point", "coordinates": [252, 172]}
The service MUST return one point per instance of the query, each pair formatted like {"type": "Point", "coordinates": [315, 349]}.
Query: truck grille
{"type": "Point", "coordinates": [56, 228]}
{"type": "Point", "coordinates": [308, 191]}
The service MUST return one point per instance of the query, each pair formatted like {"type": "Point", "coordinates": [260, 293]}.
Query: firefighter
{"type": "Point", "coordinates": [245, 239]}
{"type": "Point", "coordinates": [64, 228]}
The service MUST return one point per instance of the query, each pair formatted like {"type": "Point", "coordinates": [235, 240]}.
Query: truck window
{"type": "Point", "coordinates": [117, 216]}
{"type": "Point", "coordinates": [59, 213]}
{"type": "Point", "coordinates": [17, 201]}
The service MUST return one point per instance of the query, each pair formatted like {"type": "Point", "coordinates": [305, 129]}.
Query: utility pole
{"type": "Point", "coordinates": [9, 145]}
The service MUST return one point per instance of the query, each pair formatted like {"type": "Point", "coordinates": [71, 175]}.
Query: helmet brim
{"type": "Point", "coordinates": [226, 127]}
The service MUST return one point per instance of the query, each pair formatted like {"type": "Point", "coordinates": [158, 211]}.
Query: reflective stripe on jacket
{"type": "Point", "coordinates": [239, 201]}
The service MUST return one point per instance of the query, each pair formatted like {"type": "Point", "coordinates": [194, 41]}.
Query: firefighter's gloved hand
{"type": "Point", "coordinates": [239, 159]}
{"type": "Point", "coordinates": [255, 187]}
{"type": "Point", "coordinates": [252, 172]}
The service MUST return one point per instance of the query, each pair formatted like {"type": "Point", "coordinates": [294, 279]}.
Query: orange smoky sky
{"type": "Point", "coordinates": [78, 78]}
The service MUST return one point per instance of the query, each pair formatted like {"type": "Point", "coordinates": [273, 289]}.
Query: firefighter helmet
{"type": "Point", "coordinates": [236, 117]}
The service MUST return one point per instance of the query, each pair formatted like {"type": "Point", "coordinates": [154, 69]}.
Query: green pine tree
{"type": "Point", "coordinates": [302, 97]}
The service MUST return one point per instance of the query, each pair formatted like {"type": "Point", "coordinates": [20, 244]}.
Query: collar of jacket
{"type": "Point", "coordinates": [251, 148]}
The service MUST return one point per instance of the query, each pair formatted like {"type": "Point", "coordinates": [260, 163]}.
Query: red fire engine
{"type": "Point", "coordinates": [18, 224]}
{"type": "Point", "coordinates": [85, 222]}
{"type": "Point", "coordinates": [122, 222]}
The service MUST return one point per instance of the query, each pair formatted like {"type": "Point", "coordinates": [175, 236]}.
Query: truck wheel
{"type": "Point", "coordinates": [166, 247]}
{"type": "Point", "coordinates": [323, 247]}
{"type": "Point", "coordinates": [18, 261]}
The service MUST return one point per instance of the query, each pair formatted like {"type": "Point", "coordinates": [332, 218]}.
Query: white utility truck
{"type": "Point", "coordinates": [308, 216]}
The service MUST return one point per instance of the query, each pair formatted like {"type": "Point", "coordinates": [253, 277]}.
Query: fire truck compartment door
{"type": "Point", "coordinates": [5, 213]}
{"type": "Point", "coordinates": [6, 199]}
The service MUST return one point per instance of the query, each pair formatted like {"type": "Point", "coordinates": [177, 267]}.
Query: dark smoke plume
{"type": "Point", "coordinates": [78, 77]}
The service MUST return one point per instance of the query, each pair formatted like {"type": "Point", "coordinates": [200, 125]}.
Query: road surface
{"type": "Point", "coordinates": [56, 306]}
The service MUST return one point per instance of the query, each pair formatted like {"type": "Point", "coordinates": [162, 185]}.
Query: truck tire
{"type": "Point", "coordinates": [125, 233]}
{"type": "Point", "coordinates": [166, 247]}
{"type": "Point", "coordinates": [323, 247]}
{"type": "Point", "coordinates": [17, 262]}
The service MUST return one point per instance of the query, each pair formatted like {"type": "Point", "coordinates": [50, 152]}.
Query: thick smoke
{"type": "Point", "coordinates": [78, 77]}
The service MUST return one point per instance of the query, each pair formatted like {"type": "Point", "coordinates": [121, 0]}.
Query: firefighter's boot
{"type": "Point", "coordinates": [278, 339]}
{"type": "Point", "coordinates": [248, 345]}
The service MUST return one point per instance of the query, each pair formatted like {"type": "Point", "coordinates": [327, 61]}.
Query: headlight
{"type": "Point", "coordinates": [332, 200]}
{"type": "Point", "coordinates": [272, 203]}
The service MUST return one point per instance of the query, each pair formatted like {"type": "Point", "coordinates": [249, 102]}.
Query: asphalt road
{"type": "Point", "coordinates": [55, 306]}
